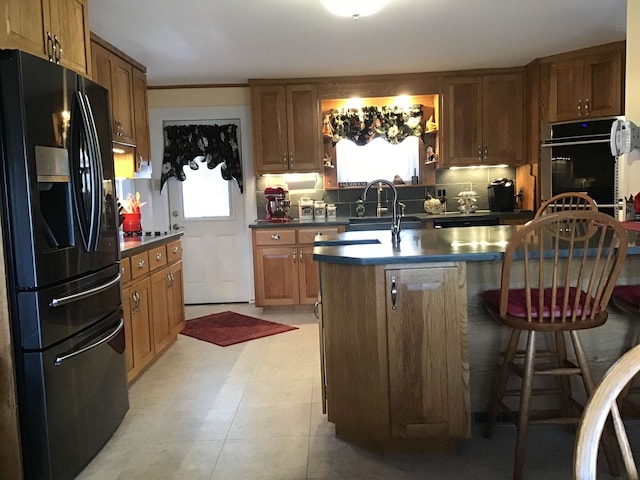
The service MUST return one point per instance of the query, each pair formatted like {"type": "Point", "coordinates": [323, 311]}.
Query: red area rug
{"type": "Point", "coordinates": [229, 328]}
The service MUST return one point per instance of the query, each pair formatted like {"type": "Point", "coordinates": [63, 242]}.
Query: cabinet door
{"type": "Point", "coordinates": [269, 105]}
{"type": "Point", "coordinates": [25, 25]}
{"type": "Point", "coordinates": [138, 331]}
{"type": "Point", "coordinates": [70, 25]}
{"type": "Point", "coordinates": [176, 299]}
{"type": "Point", "coordinates": [122, 101]}
{"type": "Point", "coordinates": [303, 128]}
{"type": "Point", "coordinates": [160, 309]}
{"type": "Point", "coordinates": [462, 104]}
{"type": "Point", "coordinates": [276, 276]}
{"type": "Point", "coordinates": [603, 85]}
{"type": "Point", "coordinates": [141, 120]}
{"type": "Point", "coordinates": [428, 364]}
{"type": "Point", "coordinates": [101, 60]}
{"type": "Point", "coordinates": [565, 90]}
{"type": "Point", "coordinates": [503, 119]}
{"type": "Point", "coordinates": [308, 275]}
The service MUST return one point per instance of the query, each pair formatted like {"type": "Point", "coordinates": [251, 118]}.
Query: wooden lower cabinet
{"type": "Point", "coordinates": [153, 302]}
{"type": "Point", "coordinates": [284, 270]}
{"type": "Point", "coordinates": [396, 361]}
{"type": "Point", "coordinates": [137, 327]}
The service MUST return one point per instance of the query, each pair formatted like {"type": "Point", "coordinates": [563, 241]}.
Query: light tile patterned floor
{"type": "Point", "coordinates": [252, 412]}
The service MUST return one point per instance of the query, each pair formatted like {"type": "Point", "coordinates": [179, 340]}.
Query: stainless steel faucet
{"type": "Point", "coordinates": [395, 217]}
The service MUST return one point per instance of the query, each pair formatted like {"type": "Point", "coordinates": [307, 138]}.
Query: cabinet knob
{"type": "Point", "coordinates": [141, 264]}
{"type": "Point", "coordinates": [175, 249]}
{"type": "Point", "coordinates": [158, 256]}
{"type": "Point", "coordinates": [275, 236]}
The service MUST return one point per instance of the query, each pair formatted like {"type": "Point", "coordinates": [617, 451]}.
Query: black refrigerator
{"type": "Point", "coordinates": [60, 234]}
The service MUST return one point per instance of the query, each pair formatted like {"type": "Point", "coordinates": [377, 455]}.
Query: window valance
{"type": "Point", "coordinates": [362, 125]}
{"type": "Point", "coordinates": [194, 144]}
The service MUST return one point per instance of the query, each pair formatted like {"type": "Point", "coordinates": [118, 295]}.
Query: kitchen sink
{"type": "Point", "coordinates": [346, 241]}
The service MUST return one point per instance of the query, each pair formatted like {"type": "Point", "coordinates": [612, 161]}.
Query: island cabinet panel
{"type": "Point", "coordinates": [483, 119]}
{"type": "Point", "coordinates": [428, 366]}
{"type": "Point", "coordinates": [586, 86]}
{"type": "Point", "coordinates": [286, 128]}
{"type": "Point", "coordinates": [397, 379]}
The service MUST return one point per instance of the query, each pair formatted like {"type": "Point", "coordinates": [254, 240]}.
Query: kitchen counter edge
{"type": "Point", "coordinates": [134, 245]}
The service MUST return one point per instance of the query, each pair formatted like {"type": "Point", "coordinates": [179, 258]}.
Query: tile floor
{"type": "Point", "coordinates": [252, 412]}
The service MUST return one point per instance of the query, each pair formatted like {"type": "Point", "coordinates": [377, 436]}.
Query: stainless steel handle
{"type": "Point", "coordinates": [56, 302]}
{"type": "Point", "coordinates": [275, 236]}
{"type": "Point", "coordinates": [57, 47]}
{"type": "Point", "coordinates": [141, 264]}
{"type": "Point", "coordinates": [106, 339]}
{"type": "Point", "coordinates": [50, 46]}
{"type": "Point", "coordinates": [394, 293]}
{"type": "Point", "coordinates": [135, 296]}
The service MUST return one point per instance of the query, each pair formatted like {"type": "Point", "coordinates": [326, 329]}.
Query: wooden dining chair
{"type": "Point", "coordinates": [600, 404]}
{"type": "Point", "coordinates": [555, 280]}
{"type": "Point", "coordinates": [566, 201]}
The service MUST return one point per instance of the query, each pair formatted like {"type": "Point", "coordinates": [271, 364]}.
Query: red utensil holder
{"type": "Point", "coordinates": [131, 223]}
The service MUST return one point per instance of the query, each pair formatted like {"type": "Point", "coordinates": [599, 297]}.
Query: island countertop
{"type": "Point", "coordinates": [458, 244]}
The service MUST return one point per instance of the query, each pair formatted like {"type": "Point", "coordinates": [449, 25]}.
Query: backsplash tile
{"type": "Point", "coordinates": [449, 183]}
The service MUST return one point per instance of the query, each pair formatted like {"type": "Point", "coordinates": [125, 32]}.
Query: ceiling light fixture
{"type": "Point", "coordinates": [354, 8]}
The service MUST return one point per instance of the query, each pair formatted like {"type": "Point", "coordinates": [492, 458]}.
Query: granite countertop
{"type": "Point", "coordinates": [458, 244]}
{"type": "Point", "coordinates": [425, 217]}
{"type": "Point", "coordinates": [132, 245]}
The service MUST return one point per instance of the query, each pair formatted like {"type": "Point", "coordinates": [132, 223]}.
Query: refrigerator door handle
{"type": "Point", "coordinates": [56, 302]}
{"type": "Point", "coordinates": [67, 356]}
{"type": "Point", "coordinates": [98, 177]}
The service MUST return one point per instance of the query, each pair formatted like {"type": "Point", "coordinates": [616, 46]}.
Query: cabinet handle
{"type": "Point", "coordinates": [169, 281]}
{"type": "Point", "coordinates": [158, 256]}
{"type": "Point", "coordinates": [50, 46]}
{"type": "Point", "coordinates": [479, 152]}
{"type": "Point", "coordinates": [291, 159]}
{"type": "Point", "coordinates": [294, 256]}
{"type": "Point", "coordinates": [57, 48]}
{"type": "Point", "coordinates": [586, 107]}
{"type": "Point", "coordinates": [275, 236]}
{"type": "Point", "coordinates": [486, 152]}
{"type": "Point", "coordinates": [175, 249]}
{"type": "Point", "coordinates": [394, 293]}
{"type": "Point", "coordinates": [316, 309]}
{"type": "Point", "coordinates": [121, 270]}
{"type": "Point", "coordinates": [141, 264]}
{"type": "Point", "coordinates": [285, 163]}
{"type": "Point", "coordinates": [301, 257]}
{"type": "Point", "coordinates": [135, 296]}
{"type": "Point", "coordinates": [579, 108]}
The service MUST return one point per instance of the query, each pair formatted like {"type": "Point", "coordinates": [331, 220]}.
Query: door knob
{"type": "Point", "coordinates": [175, 226]}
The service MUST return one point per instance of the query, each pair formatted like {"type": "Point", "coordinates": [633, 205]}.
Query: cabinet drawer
{"type": "Point", "coordinates": [274, 236]}
{"type": "Point", "coordinates": [139, 265]}
{"type": "Point", "coordinates": [174, 251]}
{"type": "Point", "coordinates": [125, 270]}
{"type": "Point", "coordinates": [307, 235]}
{"type": "Point", "coordinates": [157, 257]}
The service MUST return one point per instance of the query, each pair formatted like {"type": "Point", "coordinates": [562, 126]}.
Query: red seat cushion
{"type": "Point", "coordinates": [517, 304]}
{"type": "Point", "coordinates": [628, 293]}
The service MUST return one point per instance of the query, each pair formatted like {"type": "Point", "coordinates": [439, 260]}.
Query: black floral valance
{"type": "Point", "coordinates": [362, 125]}
{"type": "Point", "coordinates": [195, 144]}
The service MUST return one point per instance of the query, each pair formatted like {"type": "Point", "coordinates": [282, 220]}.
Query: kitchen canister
{"type": "Point", "coordinates": [331, 211]}
{"type": "Point", "coordinates": [305, 208]}
{"type": "Point", "coordinates": [319, 210]}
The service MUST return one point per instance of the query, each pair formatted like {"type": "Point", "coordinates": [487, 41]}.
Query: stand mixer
{"type": "Point", "coordinates": [277, 204]}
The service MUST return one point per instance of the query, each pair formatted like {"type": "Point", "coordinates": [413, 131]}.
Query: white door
{"type": "Point", "coordinates": [216, 258]}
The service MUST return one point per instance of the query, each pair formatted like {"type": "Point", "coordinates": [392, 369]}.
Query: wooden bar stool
{"type": "Point", "coordinates": [627, 299]}
{"type": "Point", "coordinates": [558, 274]}
{"type": "Point", "coordinates": [566, 201]}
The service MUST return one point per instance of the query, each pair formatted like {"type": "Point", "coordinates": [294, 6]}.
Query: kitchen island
{"type": "Point", "coordinates": [410, 355]}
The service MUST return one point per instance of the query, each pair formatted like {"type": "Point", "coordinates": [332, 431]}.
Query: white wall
{"type": "Point", "coordinates": [630, 164]}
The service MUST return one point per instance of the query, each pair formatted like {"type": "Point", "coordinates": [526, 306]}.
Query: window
{"type": "Point", "coordinates": [377, 159]}
{"type": "Point", "coordinates": [205, 193]}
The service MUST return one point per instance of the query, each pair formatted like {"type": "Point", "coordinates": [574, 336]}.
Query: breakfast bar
{"type": "Point", "coordinates": [409, 353]}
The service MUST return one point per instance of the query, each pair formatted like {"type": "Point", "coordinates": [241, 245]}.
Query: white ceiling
{"type": "Point", "coordinates": [192, 42]}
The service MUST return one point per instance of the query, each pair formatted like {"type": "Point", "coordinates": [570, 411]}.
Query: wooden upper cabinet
{"type": "Point", "coordinates": [116, 75]}
{"type": "Point", "coordinates": [588, 86]}
{"type": "Point", "coordinates": [483, 120]}
{"type": "Point", "coordinates": [141, 120]}
{"type": "Point", "coordinates": [286, 128]}
{"type": "Point", "coordinates": [57, 30]}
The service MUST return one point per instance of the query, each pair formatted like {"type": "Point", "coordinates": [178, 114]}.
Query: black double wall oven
{"type": "Point", "coordinates": [576, 157]}
{"type": "Point", "coordinates": [60, 234]}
